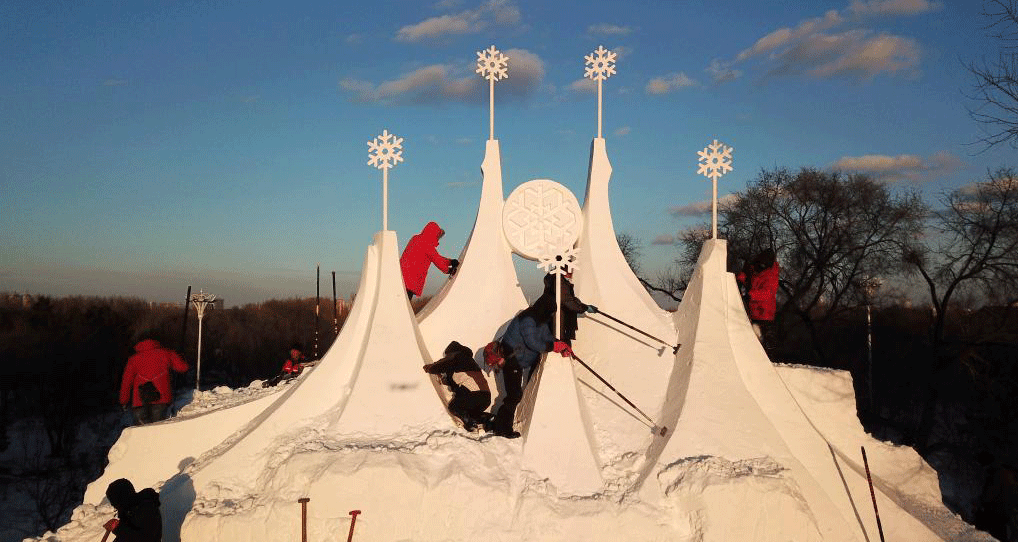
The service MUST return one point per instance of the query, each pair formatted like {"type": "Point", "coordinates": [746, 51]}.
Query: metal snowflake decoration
{"type": "Point", "coordinates": [600, 64]}
{"type": "Point", "coordinates": [385, 151]}
{"type": "Point", "coordinates": [556, 263]}
{"type": "Point", "coordinates": [715, 160]}
{"type": "Point", "coordinates": [492, 64]}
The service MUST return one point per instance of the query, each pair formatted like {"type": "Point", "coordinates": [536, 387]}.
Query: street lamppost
{"type": "Point", "coordinates": [200, 300]}
{"type": "Point", "coordinates": [871, 286]}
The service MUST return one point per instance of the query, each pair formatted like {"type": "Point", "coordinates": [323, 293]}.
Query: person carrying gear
{"type": "Point", "coordinates": [470, 392]}
{"type": "Point", "coordinates": [571, 305]}
{"type": "Point", "coordinates": [147, 378]}
{"type": "Point", "coordinates": [138, 517]}
{"type": "Point", "coordinates": [420, 252]}
{"type": "Point", "coordinates": [292, 367]}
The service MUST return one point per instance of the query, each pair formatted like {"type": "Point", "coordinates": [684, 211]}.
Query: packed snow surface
{"type": "Point", "coordinates": [724, 445]}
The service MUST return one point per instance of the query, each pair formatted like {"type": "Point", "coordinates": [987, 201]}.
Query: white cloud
{"type": "Point", "coordinates": [623, 131]}
{"type": "Point", "coordinates": [583, 85]}
{"type": "Point", "coordinates": [472, 21]}
{"type": "Point", "coordinates": [354, 38]}
{"type": "Point", "coordinates": [669, 83]}
{"type": "Point", "coordinates": [114, 82]}
{"type": "Point", "coordinates": [621, 51]}
{"type": "Point", "coordinates": [893, 7]}
{"type": "Point", "coordinates": [903, 166]}
{"type": "Point", "coordinates": [441, 83]}
{"type": "Point", "coordinates": [813, 48]}
{"type": "Point", "coordinates": [701, 207]}
{"type": "Point", "coordinates": [250, 99]}
{"type": "Point", "coordinates": [664, 239]}
{"type": "Point", "coordinates": [608, 30]}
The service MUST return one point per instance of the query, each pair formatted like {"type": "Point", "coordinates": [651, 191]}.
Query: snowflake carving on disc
{"type": "Point", "coordinates": [541, 217]}
{"type": "Point", "coordinates": [385, 151]}
{"type": "Point", "coordinates": [492, 64]}
{"type": "Point", "coordinates": [554, 263]}
{"type": "Point", "coordinates": [600, 64]}
{"type": "Point", "coordinates": [715, 160]}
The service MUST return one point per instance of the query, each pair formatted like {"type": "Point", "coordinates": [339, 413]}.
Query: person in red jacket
{"type": "Point", "coordinates": [147, 379]}
{"type": "Point", "coordinates": [760, 277]}
{"type": "Point", "coordinates": [419, 254]}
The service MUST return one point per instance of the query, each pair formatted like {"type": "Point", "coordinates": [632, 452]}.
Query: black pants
{"type": "Point", "coordinates": [409, 294]}
{"type": "Point", "coordinates": [512, 375]}
{"type": "Point", "coordinates": [149, 413]}
{"type": "Point", "coordinates": [469, 405]}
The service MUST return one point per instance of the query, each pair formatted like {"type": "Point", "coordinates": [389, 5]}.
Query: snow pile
{"type": "Point", "coordinates": [751, 452]}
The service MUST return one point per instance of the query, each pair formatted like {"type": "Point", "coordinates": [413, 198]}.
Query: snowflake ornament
{"type": "Point", "coordinates": [600, 64]}
{"type": "Point", "coordinates": [385, 151]}
{"type": "Point", "coordinates": [492, 64]}
{"type": "Point", "coordinates": [557, 263]}
{"type": "Point", "coordinates": [715, 160]}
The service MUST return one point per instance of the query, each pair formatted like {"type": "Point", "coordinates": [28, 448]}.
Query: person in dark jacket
{"type": "Point", "coordinates": [138, 518]}
{"type": "Point", "coordinates": [760, 279]}
{"type": "Point", "coordinates": [147, 378]}
{"type": "Point", "coordinates": [516, 354]}
{"type": "Point", "coordinates": [420, 252]}
{"type": "Point", "coordinates": [470, 392]}
{"type": "Point", "coordinates": [571, 305]}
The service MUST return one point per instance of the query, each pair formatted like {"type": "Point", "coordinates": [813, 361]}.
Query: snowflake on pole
{"type": "Point", "coordinates": [385, 151]}
{"type": "Point", "coordinates": [555, 264]}
{"type": "Point", "coordinates": [715, 160]}
{"type": "Point", "coordinates": [492, 64]}
{"type": "Point", "coordinates": [600, 64]}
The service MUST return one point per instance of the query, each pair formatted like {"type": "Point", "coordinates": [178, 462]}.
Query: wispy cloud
{"type": "Point", "coordinates": [901, 167]}
{"type": "Point", "coordinates": [670, 83]}
{"type": "Point", "coordinates": [354, 38]}
{"type": "Point", "coordinates": [442, 83]}
{"type": "Point", "coordinates": [835, 44]}
{"type": "Point", "coordinates": [623, 131]}
{"type": "Point", "coordinates": [583, 85]}
{"type": "Point", "coordinates": [701, 207]}
{"type": "Point", "coordinates": [114, 82]}
{"type": "Point", "coordinates": [472, 21]}
{"type": "Point", "coordinates": [664, 239]}
{"type": "Point", "coordinates": [893, 7]}
{"type": "Point", "coordinates": [250, 99]}
{"type": "Point", "coordinates": [606, 29]}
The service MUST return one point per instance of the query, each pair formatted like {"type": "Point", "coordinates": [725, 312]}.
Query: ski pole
{"type": "Point", "coordinates": [353, 520]}
{"type": "Point", "coordinates": [109, 526]}
{"type": "Point", "coordinates": [662, 430]}
{"type": "Point", "coordinates": [675, 347]}
{"type": "Point", "coordinates": [107, 535]}
{"type": "Point", "coordinates": [873, 496]}
{"type": "Point", "coordinates": [303, 518]}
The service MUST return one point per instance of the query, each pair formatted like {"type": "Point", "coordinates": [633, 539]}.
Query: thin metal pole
{"type": "Point", "coordinates": [385, 199]}
{"type": "Point", "coordinates": [558, 307]}
{"type": "Point", "coordinates": [661, 430]}
{"type": "Point", "coordinates": [491, 108]}
{"type": "Point", "coordinates": [675, 347]}
{"type": "Point", "coordinates": [353, 520]}
{"type": "Point", "coordinates": [318, 302]}
{"type": "Point", "coordinates": [869, 355]}
{"type": "Point", "coordinates": [303, 518]}
{"type": "Point", "coordinates": [335, 308]}
{"type": "Point", "coordinates": [714, 208]}
{"type": "Point", "coordinates": [197, 376]}
{"type": "Point", "coordinates": [873, 495]}
{"type": "Point", "coordinates": [599, 108]}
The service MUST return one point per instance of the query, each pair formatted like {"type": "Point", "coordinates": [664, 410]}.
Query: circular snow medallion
{"type": "Point", "coordinates": [541, 217]}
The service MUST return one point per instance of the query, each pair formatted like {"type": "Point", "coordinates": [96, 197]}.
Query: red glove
{"type": "Point", "coordinates": [111, 524]}
{"type": "Point", "coordinates": [562, 348]}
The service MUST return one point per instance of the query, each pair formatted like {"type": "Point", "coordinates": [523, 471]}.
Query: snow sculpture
{"type": "Point", "coordinates": [492, 65]}
{"type": "Point", "coordinates": [715, 161]}
{"type": "Point", "coordinates": [601, 65]}
{"type": "Point", "coordinates": [541, 217]}
{"type": "Point", "coordinates": [384, 152]}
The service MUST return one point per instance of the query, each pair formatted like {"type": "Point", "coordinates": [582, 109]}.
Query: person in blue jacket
{"type": "Point", "coordinates": [527, 337]}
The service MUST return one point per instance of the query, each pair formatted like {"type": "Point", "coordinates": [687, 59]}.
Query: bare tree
{"type": "Point", "coordinates": [976, 239]}
{"type": "Point", "coordinates": [831, 232]}
{"type": "Point", "coordinates": [995, 90]}
{"type": "Point", "coordinates": [631, 250]}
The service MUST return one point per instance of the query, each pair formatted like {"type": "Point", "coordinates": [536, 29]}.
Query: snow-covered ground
{"type": "Point", "coordinates": [731, 448]}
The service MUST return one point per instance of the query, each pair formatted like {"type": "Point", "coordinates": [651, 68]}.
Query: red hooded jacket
{"type": "Point", "coordinates": [763, 288]}
{"type": "Point", "coordinates": [151, 362]}
{"type": "Point", "coordinates": [419, 254]}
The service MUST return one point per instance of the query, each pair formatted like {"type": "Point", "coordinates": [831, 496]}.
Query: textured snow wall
{"type": "Point", "coordinates": [637, 366]}
{"type": "Point", "coordinates": [369, 384]}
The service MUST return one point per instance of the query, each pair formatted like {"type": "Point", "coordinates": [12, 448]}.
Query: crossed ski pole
{"type": "Point", "coordinates": [675, 347]}
{"type": "Point", "coordinates": [661, 430]}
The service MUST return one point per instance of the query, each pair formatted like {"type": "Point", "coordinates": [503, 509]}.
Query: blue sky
{"type": "Point", "coordinates": [146, 146]}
